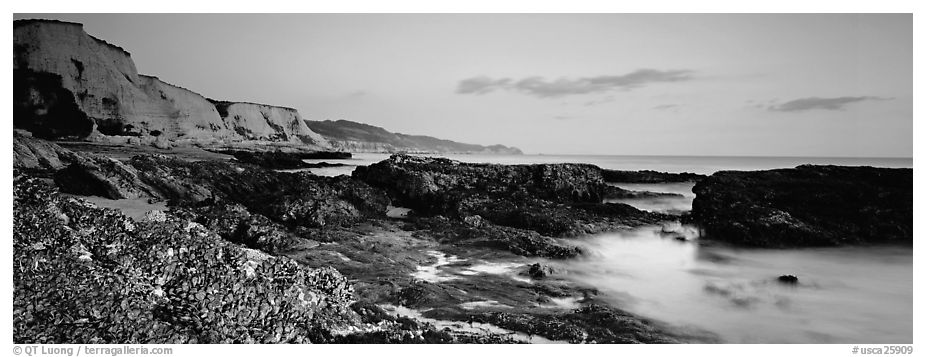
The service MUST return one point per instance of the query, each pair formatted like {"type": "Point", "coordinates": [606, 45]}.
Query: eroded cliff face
{"type": "Point", "coordinates": [267, 123]}
{"type": "Point", "coordinates": [68, 84]}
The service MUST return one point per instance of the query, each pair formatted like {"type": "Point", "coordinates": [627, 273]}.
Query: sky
{"type": "Point", "coordinates": [611, 84]}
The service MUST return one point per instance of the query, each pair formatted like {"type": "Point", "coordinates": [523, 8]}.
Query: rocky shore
{"type": "Point", "coordinates": [248, 254]}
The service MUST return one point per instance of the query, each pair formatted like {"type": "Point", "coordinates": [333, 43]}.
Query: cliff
{"type": "Point", "coordinates": [68, 84]}
{"type": "Point", "coordinates": [359, 137]}
{"type": "Point", "coordinates": [265, 122]}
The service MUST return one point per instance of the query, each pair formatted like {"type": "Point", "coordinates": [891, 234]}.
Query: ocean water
{"type": "Point", "coordinates": [858, 295]}
{"type": "Point", "coordinates": [695, 164]}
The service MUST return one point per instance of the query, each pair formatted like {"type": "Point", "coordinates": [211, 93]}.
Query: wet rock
{"type": "Point", "coordinates": [553, 200]}
{"type": "Point", "coordinates": [279, 160]}
{"type": "Point", "coordinates": [807, 206]}
{"type": "Point", "coordinates": [94, 175]}
{"type": "Point", "coordinates": [292, 199]}
{"type": "Point", "coordinates": [648, 176]}
{"type": "Point", "coordinates": [436, 185]}
{"type": "Point", "coordinates": [787, 279]}
{"type": "Point", "coordinates": [102, 278]}
{"type": "Point", "coordinates": [518, 241]}
{"type": "Point", "coordinates": [539, 271]}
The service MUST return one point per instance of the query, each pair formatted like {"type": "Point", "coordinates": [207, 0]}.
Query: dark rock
{"type": "Point", "coordinates": [518, 241]}
{"type": "Point", "coordinates": [436, 185]}
{"type": "Point", "coordinates": [614, 192]}
{"type": "Point", "coordinates": [648, 176]}
{"type": "Point", "coordinates": [553, 199]}
{"type": "Point", "coordinates": [93, 175]}
{"type": "Point", "coordinates": [787, 279]}
{"type": "Point", "coordinates": [539, 271]}
{"type": "Point", "coordinates": [807, 206]}
{"type": "Point", "coordinates": [279, 160]}
{"type": "Point", "coordinates": [91, 275]}
{"type": "Point", "coordinates": [292, 199]}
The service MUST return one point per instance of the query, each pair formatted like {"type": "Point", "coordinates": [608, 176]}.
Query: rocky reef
{"type": "Point", "coordinates": [249, 254]}
{"type": "Point", "coordinates": [282, 160]}
{"type": "Point", "coordinates": [807, 206]}
{"type": "Point", "coordinates": [648, 176]}
{"type": "Point", "coordinates": [551, 199]}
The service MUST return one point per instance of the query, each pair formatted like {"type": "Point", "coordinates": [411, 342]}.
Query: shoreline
{"type": "Point", "coordinates": [341, 223]}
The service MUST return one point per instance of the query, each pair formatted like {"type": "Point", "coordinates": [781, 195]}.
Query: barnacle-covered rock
{"type": "Point", "coordinates": [99, 277]}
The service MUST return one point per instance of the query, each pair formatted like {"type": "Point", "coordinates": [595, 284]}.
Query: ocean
{"type": "Point", "coordinates": [694, 164]}
{"type": "Point", "coordinates": [858, 295]}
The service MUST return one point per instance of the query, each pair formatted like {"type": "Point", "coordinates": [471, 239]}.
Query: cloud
{"type": "Point", "coordinates": [543, 88]}
{"type": "Point", "coordinates": [563, 117]}
{"type": "Point", "coordinates": [812, 103]}
{"type": "Point", "coordinates": [481, 85]}
{"type": "Point", "coordinates": [666, 106]}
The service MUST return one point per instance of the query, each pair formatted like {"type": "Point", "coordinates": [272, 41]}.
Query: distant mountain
{"type": "Point", "coordinates": [358, 137]}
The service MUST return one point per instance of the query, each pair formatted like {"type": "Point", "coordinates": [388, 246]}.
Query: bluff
{"type": "Point", "coordinates": [69, 84]}
{"type": "Point", "coordinates": [358, 137]}
{"type": "Point", "coordinates": [807, 206]}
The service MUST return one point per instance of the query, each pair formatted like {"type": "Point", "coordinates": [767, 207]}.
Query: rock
{"type": "Point", "coordinates": [94, 175]}
{"type": "Point", "coordinates": [551, 199]}
{"type": "Point", "coordinates": [473, 221]}
{"type": "Point", "coordinates": [155, 216]}
{"type": "Point", "coordinates": [101, 278]}
{"type": "Point", "coordinates": [519, 241]}
{"type": "Point", "coordinates": [436, 185]}
{"type": "Point", "coordinates": [161, 142]}
{"type": "Point", "coordinates": [35, 154]}
{"type": "Point", "coordinates": [648, 176]}
{"type": "Point", "coordinates": [787, 279]}
{"type": "Point", "coordinates": [539, 271]}
{"type": "Point", "coordinates": [807, 206]}
{"type": "Point", "coordinates": [280, 160]}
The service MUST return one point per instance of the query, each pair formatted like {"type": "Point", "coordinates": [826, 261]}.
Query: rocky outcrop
{"type": "Point", "coordinates": [551, 199]}
{"type": "Point", "coordinates": [281, 160]}
{"type": "Point", "coordinates": [94, 175]}
{"type": "Point", "coordinates": [291, 199]}
{"type": "Point", "coordinates": [358, 137]}
{"type": "Point", "coordinates": [38, 155]}
{"type": "Point", "coordinates": [807, 206]}
{"type": "Point", "coordinates": [68, 84]}
{"type": "Point", "coordinates": [648, 176]}
{"type": "Point", "coordinates": [89, 275]}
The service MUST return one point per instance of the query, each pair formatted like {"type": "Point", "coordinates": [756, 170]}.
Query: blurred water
{"type": "Point", "coordinates": [844, 295]}
{"type": "Point", "coordinates": [858, 295]}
